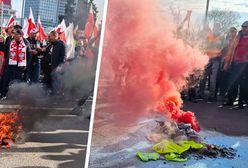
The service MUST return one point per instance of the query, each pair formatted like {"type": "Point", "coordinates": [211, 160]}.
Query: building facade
{"type": "Point", "coordinates": [49, 10]}
{"type": "Point", "coordinates": [7, 11]}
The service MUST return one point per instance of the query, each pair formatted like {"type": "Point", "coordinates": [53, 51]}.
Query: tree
{"type": "Point", "coordinates": [69, 11]}
{"type": "Point", "coordinates": [176, 15]}
{"type": "Point", "coordinates": [61, 17]}
{"type": "Point", "coordinates": [224, 18]}
{"type": "Point", "coordinates": [95, 11]}
{"type": "Point", "coordinates": [82, 14]}
{"type": "Point", "coordinates": [78, 12]}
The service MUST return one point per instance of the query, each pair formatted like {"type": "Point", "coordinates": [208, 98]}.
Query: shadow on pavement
{"type": "Point", "coordinates": [56, 134]}
{"type": "Point", "coordinates": [227, 120]}
{"type": "Point", "coordinates": [32, 167]}
{"type": "Point", "coordinates": [75, 160]}
{"type": "Point", "coordinates": [69, 138]}
{"type": "Point", "coordinates": [48, 149]}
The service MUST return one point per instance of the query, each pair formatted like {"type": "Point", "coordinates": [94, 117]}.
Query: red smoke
{"type": "Point", "coordinates": [149, 64]}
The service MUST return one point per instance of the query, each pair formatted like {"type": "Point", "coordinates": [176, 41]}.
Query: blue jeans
{"type": "Point", "coordinates": [237, 82]}
{"type": "Point", "coordinates": [34, 74]}
{"type": "Point", "coordinates": [12, 73]}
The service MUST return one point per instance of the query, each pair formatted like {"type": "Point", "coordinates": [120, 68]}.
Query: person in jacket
{"type": "Point", "coordinates": [224, 73]}
{"type": "Point", "coordinates": [17, 61]}
{"type": "Point", "coordinates": [214, 46]}
{"type": "Point", "coordinates": [35, 67]}
{"type": "Point", "coordinates": [237, 61]}
{"type": "Point", "coordinates": [54, 57]}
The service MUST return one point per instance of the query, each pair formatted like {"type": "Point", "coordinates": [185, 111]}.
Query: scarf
{"type": "Point", "coordinates": [17, 54]}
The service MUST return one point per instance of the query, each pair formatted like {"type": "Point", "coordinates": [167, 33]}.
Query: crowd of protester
{"type": "Point", "coordinates": [31, 60]}
{"type": "Point", "coordinates": [225, 77]}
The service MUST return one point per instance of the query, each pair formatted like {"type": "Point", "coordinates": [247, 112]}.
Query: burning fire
{"type": "Point", "coordinates": [10, 126]}
{"type": "Point", "coordinates": [171, 107]}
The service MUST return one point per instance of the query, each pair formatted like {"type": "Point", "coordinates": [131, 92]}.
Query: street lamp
{"type": "Point", "coordinates": [206, 13]}
{"type": "Point", "coordinates": [22, 15]}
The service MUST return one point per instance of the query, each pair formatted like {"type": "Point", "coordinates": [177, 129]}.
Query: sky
{"type": "Point", "coordinates": [17, 5]}
{"type": "Point", "coordinates": [197, 6]}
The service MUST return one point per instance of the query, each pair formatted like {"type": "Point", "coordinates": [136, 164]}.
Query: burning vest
{"type": "Point", "coordinates": [17, 54]}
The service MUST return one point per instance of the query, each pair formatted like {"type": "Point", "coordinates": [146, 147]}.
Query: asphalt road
{"type": "Point", "coordinates": [115, 146]}
{"type": "Point", "coordinates": [227, 120]}
{"type": "Point", "coordinates": [57, 140]}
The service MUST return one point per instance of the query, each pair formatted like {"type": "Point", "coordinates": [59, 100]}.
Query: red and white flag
{"type": "Point", "coordinates": [11, 21]}
{"type": "Point", "coordinates": [69, 35]}
{"type": "Point", "coordinates": [95, 35]}
{"type": "Point", "coordinates": [42, 33]}
{"type": "Point", "coordinates": [90, 25]}
{"type": "Point", "coordinates": [61, 27]}
{"type": "Point", "coordinates": [31, 22]}
{"type": "Point", "coordinates": [61, 30]}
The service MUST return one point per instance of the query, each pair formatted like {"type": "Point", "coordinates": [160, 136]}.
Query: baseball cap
{"type": "Point", "coordinates": [17, 27]}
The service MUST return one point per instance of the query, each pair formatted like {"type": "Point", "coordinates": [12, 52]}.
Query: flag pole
{"type": "Point", "coordinates": [206, 12]}
{"type": "Point", "coordinates": [22, 15]}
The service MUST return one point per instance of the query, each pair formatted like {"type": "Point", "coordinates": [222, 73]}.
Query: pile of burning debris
{"type": "Point", "coordinates": [10, 129]}
{"type": "Point", "coordinates": [178, 142]}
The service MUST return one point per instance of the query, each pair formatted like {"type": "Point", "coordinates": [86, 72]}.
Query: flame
{"type": "Point", "coordinates": [171, 106]}
{"type": "Point", "coordinates": [10, 126]}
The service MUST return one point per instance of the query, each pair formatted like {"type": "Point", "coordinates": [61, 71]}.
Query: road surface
{"type": "Point", "coordinates": [58, 140]}
{"type": "Point", "coordinates": [114, 146]}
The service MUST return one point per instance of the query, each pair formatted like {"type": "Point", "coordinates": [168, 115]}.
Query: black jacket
{"type": "Point", "coordinates": [33, 46]}
{"type": "Point", "coordinates": [6, 46]}
{"type": "Point", "coordinates": [55, 54]}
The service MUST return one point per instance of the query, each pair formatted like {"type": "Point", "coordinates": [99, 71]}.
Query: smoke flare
{"type": "Point", "coordinates": [148, 63]}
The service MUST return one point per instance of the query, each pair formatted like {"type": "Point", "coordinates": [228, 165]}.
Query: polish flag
{"type": "Point", "coordinates": [61, 28]}
{"type": "Point", "coordinates": [90, 25]}
{"type": "Point", "coordinates": [95, 35]}
{"type": "Point", "coordinates": [42, 33]}
{"type": "Point", "coordinates": [11, 21]}
{"type": "Point", "coordinates": [31, 22]}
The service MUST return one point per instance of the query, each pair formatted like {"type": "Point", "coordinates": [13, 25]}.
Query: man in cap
{"type": "Point", "coordinates": [237, 60]}
{"type": "Point", "coordinates": [10, 32]}
{"type": "Point", "coordinates": [35, 66]}
{"type": "Point", "coordinates": [17, 60]}
{"type": "Point", "coordinates": [53, 58]}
